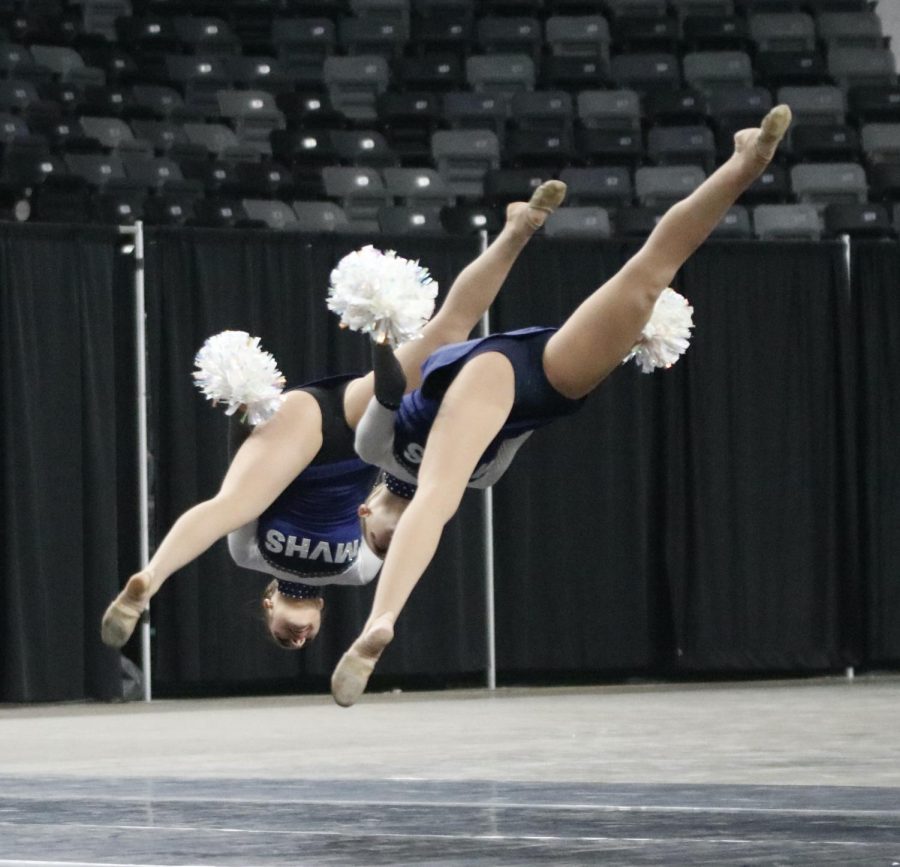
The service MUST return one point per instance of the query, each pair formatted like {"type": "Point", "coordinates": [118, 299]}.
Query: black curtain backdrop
{"type": "Point", "coordinates": [206, 620]}
{"type": "Point", "coordinates": [701, 518]}
{"type": "Point", "coordinates": [62, 292]}
{"type": "Point", "coordinates": [733, 514]}
{"type": "Point", "coordinates": [876, 294]}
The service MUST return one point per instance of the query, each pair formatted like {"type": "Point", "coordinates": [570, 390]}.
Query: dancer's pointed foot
{"type": "Point", "coordinates": [759, 145]}
{"type": "Point", "coordinates": [543, 202]}
{"type": "Point", "coordinates": [125, 610]}
{"type": "Point", "coordinates": [355, 668]}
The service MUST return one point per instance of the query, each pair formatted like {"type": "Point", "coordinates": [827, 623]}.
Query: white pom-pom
{"type": "Point", "coordinates": [234, 370]}
{"type": "Point", "coordinates": [666, 337]}
{"type": "Point", "coordinates": [382, 294]}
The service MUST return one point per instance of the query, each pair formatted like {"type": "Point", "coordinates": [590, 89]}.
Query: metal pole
{"type": "Point", "coordinates": [845, 243]}
{"type": "Point", "coordinates": [488, 528]}
{"type": "Point", "coordinates": [140, 340]}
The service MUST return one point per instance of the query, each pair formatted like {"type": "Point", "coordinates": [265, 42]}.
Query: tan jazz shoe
{"type": "Point", "coordinates": [122, 616]}
{"type": "Point", "coordinates": [352, 673]}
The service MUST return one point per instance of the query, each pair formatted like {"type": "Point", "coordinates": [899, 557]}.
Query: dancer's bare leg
{"type": "Point", "coordinates": [265, 464]}
{"type": "Point", "coordinates": [604, 328]}
{"type": "Point", "coordinates": [472, 293]}
{"type": "Point", "coordinates": [473, 410]}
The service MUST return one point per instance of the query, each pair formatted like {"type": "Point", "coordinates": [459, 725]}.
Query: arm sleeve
{"type": "Point", "coordinates": [500, 464]}
{"type": "Point", "coordinates": [244, 550]}
{"type": "Point", "coordinates": [375, 440]}
{"type": "Point", "coordinates": [390, 381]}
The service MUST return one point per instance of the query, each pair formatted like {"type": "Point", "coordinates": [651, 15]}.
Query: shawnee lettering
{"type": "Point", "coordinates": [291, 546]}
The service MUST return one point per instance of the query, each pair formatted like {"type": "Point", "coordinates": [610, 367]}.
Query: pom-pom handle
{"type": "Point", "coordinates": [666, 336]}
{"type": "Point", "coordinates": [382, 294]}
{"type": "Point", "coordinates": [233, 369]}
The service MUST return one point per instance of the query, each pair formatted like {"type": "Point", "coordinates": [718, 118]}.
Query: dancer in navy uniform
{"type": "Point", "coordinates": [478, 400]}
{"type": "Point", "coordinates": [290, 496]}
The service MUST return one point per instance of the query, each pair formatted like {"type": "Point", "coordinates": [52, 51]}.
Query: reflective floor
{"type": "Point", "coordinates": [802, 773]}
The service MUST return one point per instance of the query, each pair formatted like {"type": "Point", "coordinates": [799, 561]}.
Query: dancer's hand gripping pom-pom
{"type": "Point", "coordinates": [666, 337]}
{"type": "Point", "coordinates": [382, 294]}
{"type": "Point", "coordinates": [233, 369]}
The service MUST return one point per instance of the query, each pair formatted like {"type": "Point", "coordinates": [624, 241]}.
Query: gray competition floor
{"type": "Point", "coordinates": [800, 772]}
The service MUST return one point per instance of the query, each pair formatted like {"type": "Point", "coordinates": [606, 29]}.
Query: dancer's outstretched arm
{"type": "Point", "coordinates": [602, 331]}
{"type": "Point", "coordinates": [472, 293]}
{"type": "Point", "coordinates": [268, 460]}
{"type": "Point", "coordinates": [472, 412]}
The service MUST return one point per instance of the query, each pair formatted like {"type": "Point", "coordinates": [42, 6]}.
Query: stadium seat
{"type": "Point", "coordinates": [354, 83]}
{"type": "Point", "coordinates": [645, 72]}
{"type": "Point", "coordinates": [874, 104]}
{"type": "Point", "coordinates": [539, 148]}
{"type": "Point", "coordinates": [445, 33]}
{"type": "Point", "coordinates": [502, 186]}
{"type": "Point", "coordinates": [792, 68]}
{"type": "Point", "coordinates": [821, 105]}
{"type": "Point", "coordinates": [578, 36]}
{"type": "Point", "coordinates": [783, 31]}
{"type": "Point", "coordinates": [61, 198]}
{"type": "Point", "coordinates": [574, 73]}
{"type": "Point", "coordinates": [462, 158]}
{"type": "Point", "coordinates": [220, 141]}
{"type": "Point", "coordinates": [275, 214]}
{"type": "Point", "coordinates": [850, 30]}
{"type": "Point", "coordinates": [496, 34]}
{"type": "Point", "coordinates": [438, 72]}
{"type": "Point", "coordinates": [206, 35]}
{"type": "Point", "coordinates": [609, 109]}
{"type": "Point", "coordinates": [616, 147]}
{"type": "Point", "coordinates": [637, 222]}
{"type": "Point", "coordinates": [881, 142]}
{"type": "Point", "coordinates": [709, 70]}
{"type": "Point", "coordinates": [546, 110]}
{"type": "Point", "coordinates": [859, 221]}
{"type": "Point", "coordinates": [163, 102]}
{"type": "Point", "coordinates": [302, 44]}
{"type": "Point", "coordinates": [67, 64]}
{"type": "Point", "coordinates": [662, 186]}
{"type": "Point", "coordinates": [463, 109]}
{"type": "Point", "coordinates": [98, 170]}
{"type": "Point", "coordinates": [114, 133]}
{"type": "Point", "coordinates": [471, 219]}
{"type": "Point", "coordinates": [17, 94]}
{"type": "Point", "coordinates": [862, 67]}
{"type": "Point", "coordinates": [579, 222]}
{"type": "Point", "coordinates": [411, 220]}
{"type": "Point", "coordinates": [735, 224]}
{"type": "Point", "coordinates": [828, 143]}
{"type": "Point", "coordinates": [679, 107]}
{"type": "Point", "coordinates": [721, 32]}
{"type": "Point", "coordinates": [824, 183]}
{"type": "Point", "coordinates": [787, 222]}
{"type": "Point", "coordinates": [313, 148]}
{"type": "Point", "coordinates": [317, 216]}
{"type": "Point", "coordinates": [117, 207]}
{"type": "Point", "coordinates": [253, 114]}
{"type": "Point", "coordinates": [360, 192]}
{"type": "Point", "coordinates": [199, 78]}
{"type": "Point", "coordinates": [369, 36]}
{"type": "Point", "coordinates": [642, 34]}
{"type": "Point", "coordinates": [169, 209]}
{"type": "Point", "coordinates": [260, 73]}
{"type": "Point", "coordinates": [609, 186]}
{"type": "Point", "coordinates": [884, 182]}
{"type": "Point", "coordinates": [363, 148]}
{"type": "Point", "coordinates": [500, 73]}
{"type": "Point", "coordinates": [408, 121]}
{"type": "Point", "coordinates": [417, 187]}
{"type": "Point", "coordinates": [682, 145]}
